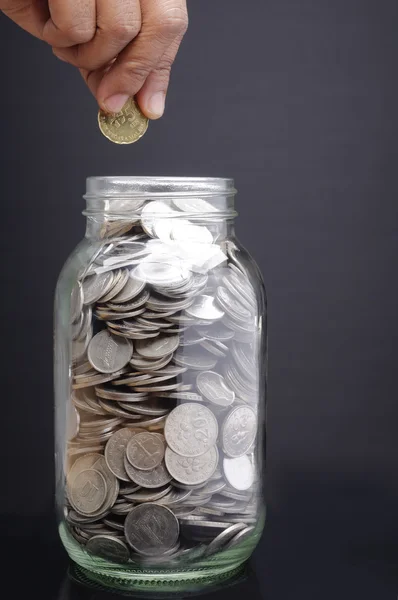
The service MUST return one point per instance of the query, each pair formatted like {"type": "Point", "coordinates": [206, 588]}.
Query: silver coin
{"type": "Point", "coordinates": [239, 472]}
{"type": "Point", "coordinates": [205, 308]}
{"type": "Point", "coordinates": [100, 424]}
{"type": "Point", "coordinates": [115, 409]}
{"type": "Point", "coordinates": [184, 231]}
{"type": "Point", "coordinates": [132, 378]}
{"type": "Point", "coordinates": [146, 364]}
{"type": "Point", "coordinates": [96, 286]}
{"type": "Point", "coordinates": [82, 368]}
{"type": "Point", "coordinates": [195, 359]}
{"type": "Point", "coordinates": [76, 519]}
{"type": "Point", "coordinates": [151, 407]}
{"type": "Point", "coordinates": [189, 396]}
{"type": "Point", "coordinates": [119, 396]}
{"type": "Point", "coordinates": [194, 205]}
{"type": "Point", "coordinates": [119, 281]}
{"type": "Point", "coordinates": [86, 325]}
{"type": "Point", "coordinates": [156, 478]}
{"type": "Point", "coordinates": [228, 493]}
{"type": "Point", "coordinates": [79, 538]}
{"type": "Point", "coordinates": [191, 429]}
{"type": "Point", "coordinates": [153, 213]}
{"type": "Point", "coordinates": [158, 388]}
{"type": "Point", "coordinates": [202, 522]}
{"type": "Point", "coordinates": [92, 404]}
{"type": "Point", "coordinates": [152, 424]}
{"type": "Point", "coordinates": [87, 491]}
{"type": "Point", "coordinates": [97, 462]}
{"type": "Point", "coordinates": [245, 360]}
{"type": "Point", "coordinates": [150, 379]}
{"type": "Point", "coordinates": [108, 547]}
{"type": "Point", "coordinates": [191, 337]}
{"type": "Point", "coordinates": [115, 450]}
{"type": "Point", "coordinates": [132, 306]}
{"type": "Point", "coordinates": [114, 524]}
{"type": "Point", "coordinates": [192, 470]}
{"type": "Point", "coordinates": [222, 503]}
{"type": "Point", "coordinates": [175, 497]}
{"type": "Point", "coordinates": [83, 449]}
{"type": "Point", "coordinates": [239, 431]}
{"type": "Point", "coordinates": [169, 370]}
{"type": "Point", "coordinates": [121, 508]}
{"type": "Point", "coordinates": [224, 537]}
{"type": "Point", "coordinates": [109, 316]}
{"type": "Point", "coordinates": [76, 302]}
{"type": "Point", "coordinates": [157, 348]}
{"type": "Point", "coordinates": [79, 347]}
{"type": "Point", "coordinates": [244, 534]}
{"type": "Point", "coordinates": [213, 486]}
{"type": "Point", "coordinates": [197, 500]}
{"type": "Point", "coordinates": [232, 306]}
{"type": "Point", "coordinates": [213, 387]}
{"type": "Point", "coordinates": [206, 511]}
{"type": "Point", "coordinates": [151, 529]}
{"type": "Point", "coordinates": [145, 451]}
{"type": "Point", "coordinates": [182, 320]}
{"type": "Point", "coordinates": [129, 488]}
{"type": "Point", "coordinates": [241, 290]}
{"type": "Point", "coordinates": [217, 332]}
{"type": "Point", "coordinates": [162, 304]}
{"type": "Point", "coordinates": [143, 495]}
{"type": "Point", "coordinates": [244, 327]}
{"type": "Point", "coordinates": [214, 349]}
{"type": "Point", "coordinates": [159, 271]}
{"type": "Point", "coordinates": [108, 354]}
{"type": "Point", "coordinates": [96, 380]}
{"type": "Point", "coordinates": [73, 422]}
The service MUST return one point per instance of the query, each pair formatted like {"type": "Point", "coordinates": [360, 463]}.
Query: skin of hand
{"type": "Point", "coordinates": [122, 48]}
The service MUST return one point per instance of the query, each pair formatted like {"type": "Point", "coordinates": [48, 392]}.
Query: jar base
{"type": "Point", "coordinates": [138, 584]}
{"type": "Point", "coordinates": [204, 574]}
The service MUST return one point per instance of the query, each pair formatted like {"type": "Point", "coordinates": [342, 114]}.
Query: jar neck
{"type": "Point", "coordinates": [170, 209]}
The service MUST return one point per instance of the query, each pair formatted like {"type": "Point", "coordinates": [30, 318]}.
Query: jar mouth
{"type": "Point", "coordinates": [158, 187]}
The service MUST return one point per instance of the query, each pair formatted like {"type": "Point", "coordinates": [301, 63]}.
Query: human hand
{"type": "Point", "coordinates": [123, 48]}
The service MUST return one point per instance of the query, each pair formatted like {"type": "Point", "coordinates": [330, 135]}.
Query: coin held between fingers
{"type": "Point", "coordinates": [124, 127]}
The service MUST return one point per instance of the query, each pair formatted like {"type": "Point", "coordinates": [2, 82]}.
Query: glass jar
{"type": "Point", "coordinates": [160, 384]}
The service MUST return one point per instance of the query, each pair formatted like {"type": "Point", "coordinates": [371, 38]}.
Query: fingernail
{"type": "Point", "coordinates": [156, 104]}
{"type": "Point", "coordinates": [114, 104]}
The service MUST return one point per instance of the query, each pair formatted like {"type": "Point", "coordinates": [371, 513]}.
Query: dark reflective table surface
{"type": "Point", "coordinates": [291, 561]}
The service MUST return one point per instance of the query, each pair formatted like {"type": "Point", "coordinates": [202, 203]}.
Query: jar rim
{"type": "Point", "coordinates": [132, 186]}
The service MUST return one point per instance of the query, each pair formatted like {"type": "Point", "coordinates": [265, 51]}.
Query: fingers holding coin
{"type": "Point", "coordinates": [163, 24]}
{"type": "Point", "coordinates": [130, 53]}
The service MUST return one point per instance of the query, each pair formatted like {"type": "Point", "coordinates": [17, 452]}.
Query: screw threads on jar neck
{"type": "Point", "coordinates": [184, 197]}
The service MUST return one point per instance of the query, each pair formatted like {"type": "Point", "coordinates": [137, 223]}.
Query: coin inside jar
{"type": "Point", "coordinates": [145, 451]}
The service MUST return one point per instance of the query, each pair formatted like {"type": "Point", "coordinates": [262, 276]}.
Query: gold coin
{"type": "Point", "coordinates": [125, 127]}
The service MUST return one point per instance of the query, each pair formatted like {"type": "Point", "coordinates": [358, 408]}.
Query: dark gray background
{"type": "Point", "coordinates": [297, 100]}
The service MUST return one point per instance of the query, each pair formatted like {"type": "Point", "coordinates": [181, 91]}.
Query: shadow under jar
{"type": "Point", "coordinates": [160, 384]}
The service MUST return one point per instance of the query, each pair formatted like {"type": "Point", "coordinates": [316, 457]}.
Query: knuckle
{"type": "Point", "coordinates": [172, 22]}
{"type": "Point", "coordinates": [125, 29]}
{"type": "Point", "coordinates": [163, 72]}
{"type": "Point", "coordinates": [137, 68]}
{"type": "Point", "coordinates": [80, 33]}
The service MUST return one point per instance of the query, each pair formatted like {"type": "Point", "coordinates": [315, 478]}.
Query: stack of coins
{"type": "Point", "coordinates": [163, 416]}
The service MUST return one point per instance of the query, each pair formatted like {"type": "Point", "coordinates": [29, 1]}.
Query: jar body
{"type": "Point", "coordinates": [160, 385]}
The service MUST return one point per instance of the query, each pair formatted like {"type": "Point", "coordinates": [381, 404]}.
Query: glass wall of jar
{"type": "Point", "coordinates": [160, 383]}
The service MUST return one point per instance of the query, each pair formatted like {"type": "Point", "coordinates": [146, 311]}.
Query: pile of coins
{"type": "Point", "coordinates": [163, 416]}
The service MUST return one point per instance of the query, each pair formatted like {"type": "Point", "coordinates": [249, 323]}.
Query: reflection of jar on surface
{"type": "Point", "coordinates": [160, 352]}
